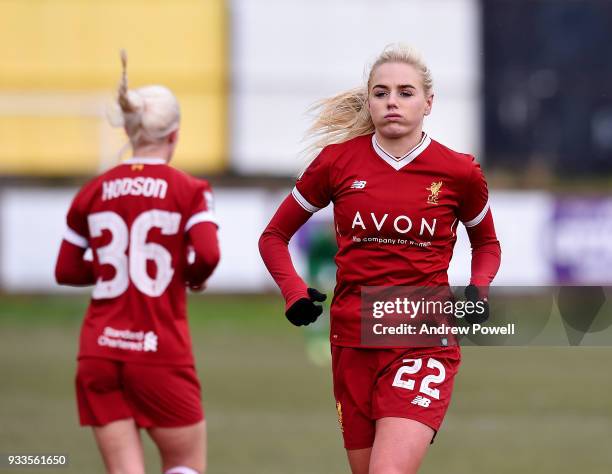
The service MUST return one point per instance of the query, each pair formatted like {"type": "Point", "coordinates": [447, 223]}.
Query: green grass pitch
{"type": "Point", "coordinates": [270, 410]}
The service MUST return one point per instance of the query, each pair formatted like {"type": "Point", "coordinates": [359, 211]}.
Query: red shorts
{"type": "Point", "coordinates": [370, 384]}
{"type": "Point", "coordinates": [164, 396]}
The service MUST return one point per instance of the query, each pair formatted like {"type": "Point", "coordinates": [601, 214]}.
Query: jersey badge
{"type": "Point", "coordinates": [434, 189]}
{"type": "Point", "coordinates": [150, 342]}
{"type": "Point", "coordinates": [358, 184]}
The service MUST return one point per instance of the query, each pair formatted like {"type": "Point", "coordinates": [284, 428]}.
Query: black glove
{"type": "Point", "coordinates": [304, 311]}
{"type": "Point", "coordinates": [477, 316]}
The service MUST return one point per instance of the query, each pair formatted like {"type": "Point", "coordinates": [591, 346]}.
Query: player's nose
{"type": "Point", "coordinates": [392, 100]}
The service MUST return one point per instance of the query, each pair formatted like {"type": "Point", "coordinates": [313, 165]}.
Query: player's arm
{"type": "Point", "coordinates": [274, 249]}
{"type": "Point", "coordinates": [71, 268]}
{"type": "Point", "coordinates": [206, 254]}
{"type": "Point", "coordinates": [201, 228]}
{"type": "Point", "coordinates": [486, 251]}
{"type": "Point", "coordinates": [476, 215]}
{"type": "Point", "coordinates": [311, 193]}
{"type": "Point", "coordinates": [486, 257]}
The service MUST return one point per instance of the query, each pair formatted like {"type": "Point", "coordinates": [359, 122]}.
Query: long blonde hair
{"type": "Point", "coordinates": [346, 115]}
{"type": "Point", "coordinates": [148, 114]}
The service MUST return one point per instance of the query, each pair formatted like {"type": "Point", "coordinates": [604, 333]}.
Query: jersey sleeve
{"type": "Point", "coordinates": [474, 202]}
{"type": "Point", "coordinates": [202, 207]}
{"type": "Point", "coordinates": [71, 268]}
{"type": "Point", "coordinates": [313, 189]}
{"type": "Point", "coordinates": [486, 252]}
{"type": "Point", "coordinates": [205, 243]}
{"type": "Point", "coordinates": [77, 231]}
{"type": "Point", "coordinates": [274, 249]}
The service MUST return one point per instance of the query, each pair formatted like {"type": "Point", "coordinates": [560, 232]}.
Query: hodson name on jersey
{"type": "Point", "coordinates": [401, 224]}
{"type": "Point", "coordinates": [139, 186]}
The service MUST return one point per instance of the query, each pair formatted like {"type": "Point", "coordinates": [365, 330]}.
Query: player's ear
{"type": "Point", "coordinates": [428, 104]}
{"type": "Point", "coordinates": [173, 137]}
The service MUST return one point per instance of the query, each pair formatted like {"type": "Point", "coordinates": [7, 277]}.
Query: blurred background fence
{"type": "Point", "coordinates": [522, 85]}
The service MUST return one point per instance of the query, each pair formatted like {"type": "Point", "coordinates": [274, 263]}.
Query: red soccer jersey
{"type": "Point", "coordinates": [135, 218]}
{"type": "Point", "coordinates": [395, 218]}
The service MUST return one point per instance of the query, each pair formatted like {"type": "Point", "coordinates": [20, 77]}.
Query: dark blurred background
{"type": "Point", "coordinates": [548, 86]}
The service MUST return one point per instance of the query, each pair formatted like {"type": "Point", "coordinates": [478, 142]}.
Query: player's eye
{"type": "Point", "coordinates": [406, 93]}
{"type": "Point", "coordinates": [380, 94]}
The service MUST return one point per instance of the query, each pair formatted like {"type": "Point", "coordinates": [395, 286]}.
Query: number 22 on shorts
{"type": "Point", "coordinates": [415, 367]}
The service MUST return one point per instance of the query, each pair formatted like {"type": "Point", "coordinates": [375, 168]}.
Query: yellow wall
{"type": "Point", "coordinates": [56, 51]}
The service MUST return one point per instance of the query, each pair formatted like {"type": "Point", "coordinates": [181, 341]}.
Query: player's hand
{"type": "Point", "coordinates": [190, 276]}
{"type": "Point", "coordinates": [193, 282]}
{"type": "Point", "coordinates": [304, 311]}
{"type": "Point", "coordinates": [196, 288]}
{"type": "Point", "coordinates": [472, 293]}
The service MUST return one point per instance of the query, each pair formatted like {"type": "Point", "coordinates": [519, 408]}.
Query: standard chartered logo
{"type": "Point", "coordinates": [127, 340]}
{"type": "Point", "coordinates": [402, 223]}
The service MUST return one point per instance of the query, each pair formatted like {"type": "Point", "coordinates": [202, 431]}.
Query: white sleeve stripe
{"type": "Point", "coordinates": [301, 200]}
{"type": "Point", "coordinates": [478, 219]}
{"type": "Point", "coordinates": [75, 239]}
{"type": "Point", "coordinates": [204, 216]}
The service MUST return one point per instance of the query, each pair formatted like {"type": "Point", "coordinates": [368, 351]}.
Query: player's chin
{"type": "Point", "coordinates": [393, 130]}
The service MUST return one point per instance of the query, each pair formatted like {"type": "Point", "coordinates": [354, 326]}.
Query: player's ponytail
{"type": "Point", "coordinates": [148, 113]}
{"type": "Point", "coordinates": [131, 104]}
{"type": "Point", "coordinates": [338, 119]}
{"type": "Point", "coordinates": [346, 115]}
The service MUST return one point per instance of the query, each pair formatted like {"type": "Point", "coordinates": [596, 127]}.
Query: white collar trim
{"type": "Point", "coordinates": [399, 163]}
{"type": "Point", "coordinates": [144, 161]}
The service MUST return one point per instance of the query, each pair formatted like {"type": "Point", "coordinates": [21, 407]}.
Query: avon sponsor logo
{"type": "Point", "coordinates": [402, 224]}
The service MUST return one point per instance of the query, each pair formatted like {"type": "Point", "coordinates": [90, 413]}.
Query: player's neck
{"type": "Point", "coordinates": [151, 152]}
{"type": "Point", "coordinates": [400, 146]}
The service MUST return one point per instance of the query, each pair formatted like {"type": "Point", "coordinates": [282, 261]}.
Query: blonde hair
{"type": "Point", "coordinates": [148, 114]}
{"type": "Point", "coordinates": [346, 115]}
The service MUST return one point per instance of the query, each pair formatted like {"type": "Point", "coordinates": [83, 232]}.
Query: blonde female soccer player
{"type": "Point", "coordinates": [398, 195]}
{"type": "Point", "coordinates": [135, 363]}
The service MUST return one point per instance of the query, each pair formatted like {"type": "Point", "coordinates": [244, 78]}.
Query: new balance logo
{"type": "Point", "coordinates": [421, 401]}
{"type": "Point", "coordinates": [358, 185]}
